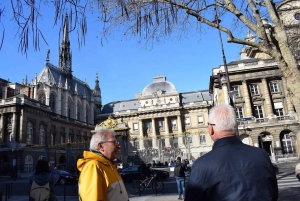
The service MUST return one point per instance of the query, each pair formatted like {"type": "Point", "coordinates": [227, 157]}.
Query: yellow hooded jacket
{"type": "Point", "coordinates": [99, 179]}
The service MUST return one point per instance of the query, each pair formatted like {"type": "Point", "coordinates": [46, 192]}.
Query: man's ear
{"type": "Point", "coordinates": [211, 130]}
{"type": "Point", "coordinates": [100, 147]}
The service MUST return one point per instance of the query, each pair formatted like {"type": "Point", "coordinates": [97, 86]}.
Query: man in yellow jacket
{"type": "Point", "coordinates": [99, 179]}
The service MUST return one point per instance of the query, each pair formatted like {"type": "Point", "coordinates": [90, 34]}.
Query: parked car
{"type": "Point", "coordinates": [66, 177]}
{"type": "Point", "coordinates": [132, 173]}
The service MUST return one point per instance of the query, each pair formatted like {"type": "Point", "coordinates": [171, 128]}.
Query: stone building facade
{"type": "Point", "coordinates": [51, 117]}
{"type": "Point", "coordinates": [163, 123]}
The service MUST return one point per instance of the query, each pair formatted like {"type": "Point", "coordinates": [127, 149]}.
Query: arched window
{"type": "Point", "coordinates": [28, 163]}
{"type": "Point", "coordinates": [78, 111]}
{"type": "Point", "coordinates": [29, 133]}
{"type": "Point", "coordinates": [87, 112]}
{"type": "Point", "coordinates": [69, 108]}
{"type": "Point", "coordinates": [52, 102]}
{"type": "Point", "coordinates": [42, 135]}
{"type": "Point", "coordinates": [42, 98]}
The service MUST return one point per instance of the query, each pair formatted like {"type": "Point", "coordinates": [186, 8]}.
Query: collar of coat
{"type": "Point", "coordinates": [225, 141]}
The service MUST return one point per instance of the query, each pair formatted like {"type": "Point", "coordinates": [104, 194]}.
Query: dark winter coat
{"type": "Point", "coordinates": [43, 178]}
{"type": "Point", "coordinates": [232, 171]}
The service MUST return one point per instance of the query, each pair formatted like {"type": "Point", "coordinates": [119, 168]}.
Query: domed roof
{"type": "Point", "coordinates": [159, 85]}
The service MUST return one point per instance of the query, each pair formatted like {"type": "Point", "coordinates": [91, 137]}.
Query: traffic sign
{"type": "Point", "coordinates": [246, 119]}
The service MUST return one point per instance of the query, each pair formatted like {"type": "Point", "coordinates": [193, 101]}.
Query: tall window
{"type": "Point", "coordinates": [28, 163]}
{"type": "Point", "coordinates": [62, 135]}
{"type": "Point", "coordinates": [69, 108]}
{"type": "Point", "coordinates": [279, 110]}
{"type": "Point", "coordinates": [287, 144]}
{"type": "Point", "coordinates": [187, 121]}
{"type": "Point", "coordinates": [136, 144]}
{"type": "Point", "coordinates": [87, 112]}
{"type": "Point", "coordinates": [239, 112]}
{"type": "Point", "coordinates": [42, 98]}
{"type": "Point", "coordinates": [254, 89]}
{"type": "Point", "coordinates": [190, 140]}
{"type": "Point", "coordinates": [200, 120]}
{"type": "Point", "coordinates": [52, 102]}
{"type": "Point", "coordinates": [148, 126]}
{"type": "Point", "coordinates": [173, 123]}
{"type": "Point", "coordinates": [202, 139]}
{"type": "Point", "coordinates": [53, 134]}
{"type": "Point", "coordinates": [274, 87]}
{"type": "Point", "coordinates": [236, 90]}
{"type": "Point", "coordinates": [42, 135]}
{"type": "Point", "coordinates": [78, 111]}
{"type": "Point", "coordinates": [160, 125]}
{"type": "Point", "coordinates": [258, 112]}
{"type": "Point", "coordinates": [135, 126]}
{"type": "Point", "coordinates": [29, 134]}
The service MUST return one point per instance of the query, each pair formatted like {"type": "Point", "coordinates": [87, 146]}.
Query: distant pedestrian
{"type": "Point", "coordinates": [99, 178]}
{"type": "Point", "coordinates": [179, 170]}
{"type": "Point", "coordinates": [44, 175]}
{"type": "Point", "coordinates": [232, 170]}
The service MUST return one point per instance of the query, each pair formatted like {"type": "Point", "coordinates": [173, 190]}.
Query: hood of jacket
{"type": "Point", "coordinates": [88, 156]}
{"type": "Point", "coordinates": [42, 178]}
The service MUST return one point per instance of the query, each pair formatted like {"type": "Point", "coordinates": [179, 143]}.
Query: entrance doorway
{"type": "Point", "coordinates": [265, 141]}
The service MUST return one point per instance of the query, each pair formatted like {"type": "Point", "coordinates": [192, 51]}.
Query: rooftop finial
{"type": "Point", "coordinates": [47, 58]}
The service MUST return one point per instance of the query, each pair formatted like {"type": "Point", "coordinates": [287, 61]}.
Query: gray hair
{"type": "Point", "coordinates": [99, 136]}
{"type": "Point", "coordinates": [224, 118]}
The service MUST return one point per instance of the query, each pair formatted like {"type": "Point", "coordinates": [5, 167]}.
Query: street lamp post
{"type": "Point", "coordinates": [230, 93]}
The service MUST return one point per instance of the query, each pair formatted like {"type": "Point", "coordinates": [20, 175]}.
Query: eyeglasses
{"type": "Point", "coordinates": [211, 124]}
{"type": "Point", "coordinates": [115, 142]}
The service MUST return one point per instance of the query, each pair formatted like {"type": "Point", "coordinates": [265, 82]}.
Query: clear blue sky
{"type": "Point", "coordinates": [124, 66]}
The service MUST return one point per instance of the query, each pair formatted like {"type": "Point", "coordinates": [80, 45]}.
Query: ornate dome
{"type": "Point", "coordinates": [158, 87]}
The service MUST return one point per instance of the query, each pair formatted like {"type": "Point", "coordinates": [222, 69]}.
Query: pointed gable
{"type": "Point", "coordinates": [46, 77]}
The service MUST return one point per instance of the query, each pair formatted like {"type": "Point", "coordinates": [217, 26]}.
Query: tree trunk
{"type": "Point", "coordinates": [294, 87]}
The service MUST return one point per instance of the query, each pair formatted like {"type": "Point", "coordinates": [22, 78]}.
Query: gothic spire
{"type": "Point", "coordinates": [65, 56]}
{"type": "Point", "coordinates": [97, 95]}
{"type": "Point", "coordinates": [97, 88]}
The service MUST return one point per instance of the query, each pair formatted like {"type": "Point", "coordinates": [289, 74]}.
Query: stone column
{"type": "Point", "coordinates": [154, 137]}
{"type": "Point", "coordinates": [13, 131]}
{"type": "Point", "coordinates": [35, 92]}
{"type": "Point", "coordinates": [22, 131]}
{"type": "Point", "coordinates": [142, 146]}
{"type": "Point", "coordinates": [180, 137]}
{"type": "Point", "coordinates": [290, 108]}
{"type": "Point", "coordinates": [248, 107]}
{"type": "Point", "coordinates": [166, 126]}
{"type": "Point", "coordinates": [267, 97]}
